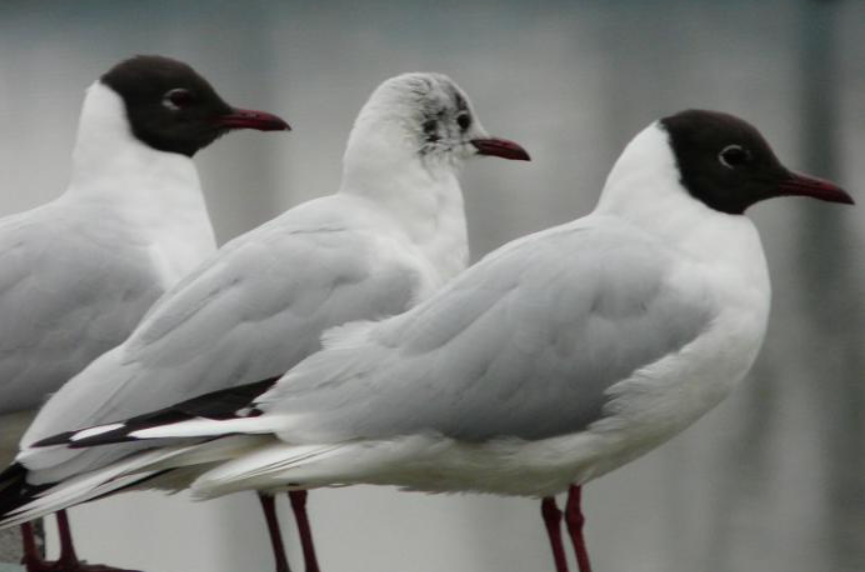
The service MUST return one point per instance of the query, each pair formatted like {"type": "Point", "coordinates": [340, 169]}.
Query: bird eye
{"type": "Point", "coordinates": [177, 98]}
{"type": "Point", "coordinates": [464, 121]}
{"type": "Point", "coordinates": [733, 156]}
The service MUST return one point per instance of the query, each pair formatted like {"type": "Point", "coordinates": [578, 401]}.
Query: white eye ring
{"type": "Point", "coordinates": [176, 99]}
{"type": "Point", "coordinates": [733, 156]}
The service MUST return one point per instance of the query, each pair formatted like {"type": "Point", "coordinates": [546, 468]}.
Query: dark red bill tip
{"type": "Point", "coordinates": [805, 186]}
{"type": "Point", "coordinates": [251, 119]}
{"type": "Point", "coordinates": [501, 148]}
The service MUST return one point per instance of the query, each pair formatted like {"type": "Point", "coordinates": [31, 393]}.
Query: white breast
{"type": "Point", "coordinates": [721, 263]}
{"type": "Point", "coordinates": [158, 194]}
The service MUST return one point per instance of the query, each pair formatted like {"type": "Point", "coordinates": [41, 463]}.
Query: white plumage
{"type": "Point", "coordinates": [77, 274]}
{"type": "Point", "coordinates": [555, 359]}
{"type": "Point", "coordinates": [393, 234]}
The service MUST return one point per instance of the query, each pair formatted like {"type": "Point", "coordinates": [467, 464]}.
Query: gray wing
{"type": "Point", "coordinates": [69, 290]}
{"type": "Point", "coordinates": [524, 344]}
{"type": "Point", "coordinates": [252, 312]}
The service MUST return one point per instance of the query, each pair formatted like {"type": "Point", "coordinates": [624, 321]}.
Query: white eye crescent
{"type": "Point", "coordinates": [733, 156]}
{"type": "Point", "coordinates": [177, 99]}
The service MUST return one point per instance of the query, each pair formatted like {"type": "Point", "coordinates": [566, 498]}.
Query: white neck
{"type": "Point", "coordinates": [644, 186]}
{"type": "Point", "coordinates": [107, 153]}
{"type": "Point", "coordinates": [157, 192]}
{"type": "Point", "coordinates": [719, 256]}
{"type": "Point", "coordinates": [422, 197]}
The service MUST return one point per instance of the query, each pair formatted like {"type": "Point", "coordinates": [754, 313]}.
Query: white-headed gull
{"type": "Point", "coordinates": [393, 234]}
{"type": "Point", "coordinates": [78, 273]}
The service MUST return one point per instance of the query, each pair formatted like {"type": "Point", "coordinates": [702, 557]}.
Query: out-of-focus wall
{"type": "Point", "coordinates": [771, 481]}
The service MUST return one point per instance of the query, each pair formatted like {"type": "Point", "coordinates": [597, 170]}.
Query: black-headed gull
{"type": "Point", "coordinates": [393, 234]}
{"type": "Point", "coordinates": [78, 273]}
{"type": "Point", "coordinates": [554, 360]}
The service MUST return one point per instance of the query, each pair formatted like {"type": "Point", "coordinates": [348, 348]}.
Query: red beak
{"type": "Point", "coordinates": [501, 148]}
{"type": "Point", "coordinates": [805, 186]}
{"type": "Point", "coordinates": [251, 119]}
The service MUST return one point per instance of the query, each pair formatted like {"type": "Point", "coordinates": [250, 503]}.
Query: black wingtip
{"type": "Point", "coordinates": [12, 473]}
{"type": "Point", "coordinates": [59, 439]}
{"type": "Point", "coordinates": [123, 433]}
{"type": "Point", "coordinates": [15, 492]}
{"type": "Point", "coordinates": [223, 404]}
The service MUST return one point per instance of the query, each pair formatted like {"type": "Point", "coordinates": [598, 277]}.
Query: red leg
{"type": "Point", "coordinates": [67, 547]}
{"type": "Point", "coordinates": [32, 560]}
{"type": "Point", "coordinates": [298, 505]}
{"type": "Point", "coordinates": [575, 519]}
{"type": "Point", "coordinates": [553, 521]}
{"type": "Point", "coordinates": [269, 507]}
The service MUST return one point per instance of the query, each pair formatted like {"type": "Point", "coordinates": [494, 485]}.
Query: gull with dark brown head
{"type": "Point", "coordinates": [554, 360]}
{"type": "Point", "coordinates": [78, 273]}
{"type": "Point", "coordinates": [393, 234]}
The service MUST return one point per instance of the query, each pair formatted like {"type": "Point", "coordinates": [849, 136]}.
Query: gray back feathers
{"type": "Point", "coordinates": [522, 345]}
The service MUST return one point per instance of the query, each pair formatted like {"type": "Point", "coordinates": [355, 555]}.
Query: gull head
{"type": "Point", "coordinates": [726, 163]}
{"type": "Point", "coordinates": [429, 116]}
{"type": "Point", "coordinates": [170, 107]}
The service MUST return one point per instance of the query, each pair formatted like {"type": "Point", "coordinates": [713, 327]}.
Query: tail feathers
{"type": "Point", "coordinates": [169, 468]}
{"type": "Point", "coordinates": [232, 403]}
{"type": "Point", "coordinates": [278, 466]}
{"type": "Point", "coordinates": [21, 502]}
{"type": "Point", "coordinates": [274, 466]}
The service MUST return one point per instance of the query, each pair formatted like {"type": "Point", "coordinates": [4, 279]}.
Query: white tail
{"type": "Point", "coordinates": [279, 466]}
{"type": "Point", "coordinates": [85, 487]}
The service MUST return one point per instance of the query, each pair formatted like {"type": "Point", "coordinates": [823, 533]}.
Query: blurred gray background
{"type": "Point", "coordinates": [773, 480]}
